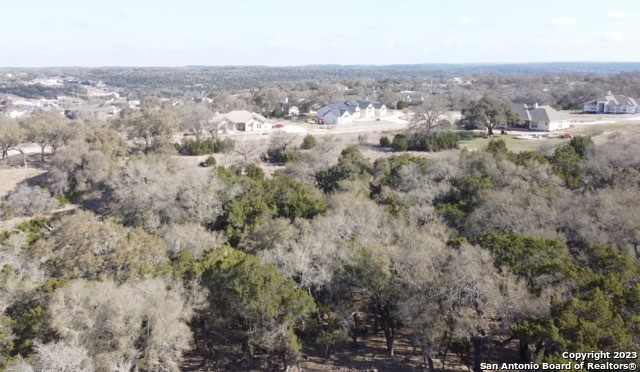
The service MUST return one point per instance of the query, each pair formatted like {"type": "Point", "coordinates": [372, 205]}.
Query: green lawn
{"type": "Point", "coordinates": [513, 144]}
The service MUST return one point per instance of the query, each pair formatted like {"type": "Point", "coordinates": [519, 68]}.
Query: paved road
{"type": "Point", "coordinates": [390, 123]}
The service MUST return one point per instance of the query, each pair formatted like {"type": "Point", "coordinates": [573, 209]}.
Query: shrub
{"type": "Point", "coordinates": [254, 171]}
{"type": "Point", "coordinates": [29, 201]}
{"type": "Point", "coordinates": [435, 142]}
{"type": "Point", "coordinates": [63, 199]}
{"type": "Point", "coordinates": [281, 155]}
{"type": "Point", "coordinates": [6, 212]}
{"type": "Point", "coordinates": [443, 141]}
{"type": "Point", "coordinates": [402, 105]}
{"type": "Point", "coordinates": [384, 141]}
{"type": "Point", "coordinates": [193, 147]}
{"type": "Point", "coordinates": [580, 144]}
{"type": "Point", "coordinates": [308, 142]}
{"type": "Point", "coordinates": [497, 146]}
{"type": "Point", "coordinates": [209, 162]}
{"type": "Point", "coordinates": [224, 146]}
{"type": "Point", "coordinates": [277, 112]}
{"type": "Point", "coordinates": [400, 143]}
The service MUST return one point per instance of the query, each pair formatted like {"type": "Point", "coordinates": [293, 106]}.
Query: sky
{"type": "Point", "coordinates": [42, 33]}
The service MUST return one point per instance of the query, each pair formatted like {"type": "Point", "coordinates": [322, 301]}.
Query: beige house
{"type": "Point", "coordinates": [540, 118]}
{"type": "Point", "coordinates": [241, 121]}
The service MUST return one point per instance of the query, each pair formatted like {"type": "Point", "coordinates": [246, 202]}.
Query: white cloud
{"type": "Point", "coordinates": [564, 21]}
{"type": "Point", "coordinates": [465, 20]}
{"type": "Point", "coordinates": [618, 14]}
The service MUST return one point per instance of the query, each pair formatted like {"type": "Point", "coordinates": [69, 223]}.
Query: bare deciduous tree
{"type": "Point", "coordinates": [249, 150]}
{"type": "Point", "coordinates": [428, 115]}
{"type": "Point", "coordinates": [195, 119]}
{"type": "Point", "coordinates": [11, 135]}
{"type": "Point", "coordinates": [58, 356]}
{"type": "Point", "coordinates": [48, 128]}
{"type": "Point", "coordinates": [77, 167]}
{"type": "Point", "coordinates": [483, 301]}
{"type": "Point", "coordinates": [29, 201]}
{"type": "Point", "coordinates": [151, 126]}
{"type": "Point", "coordinates": [151, 191]}
{"type": "Point", "coordinates": [134, 324]}
{"type": "Point", "coordinates": [190, 237]}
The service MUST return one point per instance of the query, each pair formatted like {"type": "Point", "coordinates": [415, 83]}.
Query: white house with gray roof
{"type": "Point", "coordinates": [540, 118]}
{"type": "Point", "coordinates": [347, 112]}
{"type": "Point", "coordinates": [612, 104]}
{"type": "Point", "coordinates": [241, 121]}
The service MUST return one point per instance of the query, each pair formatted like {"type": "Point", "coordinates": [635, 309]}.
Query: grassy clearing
{"type": "Point", "coordinates": [513, 144]}
{"type": "Point", "coordinates": [10, 178]}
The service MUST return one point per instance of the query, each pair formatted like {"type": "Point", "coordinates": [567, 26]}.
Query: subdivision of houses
{"type": "Point", "coordinates": [337, 113]}
{"type": "Point", "coordinates": [241, 121]}
{"type": "Point", "coordinates": [541, 118]}
{"type": "Point", "coordinates": [612, 104]}
{"type": "Point", "coordinates": [347, 112]}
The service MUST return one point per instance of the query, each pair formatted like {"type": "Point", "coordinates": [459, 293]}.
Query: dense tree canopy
{"type": "Point", "coordinates": [488, 112]}
{"type": "Point", "coordinates": [284, 252]}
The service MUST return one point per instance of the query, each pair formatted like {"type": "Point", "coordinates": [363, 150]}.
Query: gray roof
{"type": "Point", "coordinates": [239, 116]}
{"type": "Point", "coordinates": [340, 107]}
{"type": "Point", "coordinates": [537, 113]}
{"type": "Point", "coordinates": [615, 100]}
{"type": "Point", "coordinates": [337, 108]}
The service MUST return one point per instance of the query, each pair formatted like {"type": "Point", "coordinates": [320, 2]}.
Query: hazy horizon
{"type": "Point", "coordinates": [331, 64]}
{"type": "Point", "coordinates": [71, 33]}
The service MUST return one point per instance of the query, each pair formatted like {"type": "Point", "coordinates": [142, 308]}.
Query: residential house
{"type": "Point", "coordinates": [612, 104]}
{"type": "Point", "coordinates": [289, 109]}
{"type": "Point", "coordinates": [540, 118]}
{"type": "Point", "coordinates": [242, 121]}
{"type": "Point", "coordinates": [367, 111]}
{"type": "Point", "coordinates": [347, 112]}
{"type": "Point", "coordinates": [380, 110]}
{"type": "Point", "coordinates": [337, 113]}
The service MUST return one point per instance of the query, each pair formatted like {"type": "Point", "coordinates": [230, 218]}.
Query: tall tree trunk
{"type": "Point", "coordinates": [490, 127]}
{"type": "Point", "coordinates": [444, 358]}
{"type": "Point", "coordinates": [428, 360]}
{"type": "Point", "coordinates": [354, 330]}
{"type": "Point", "coordinates": [414, 344]}
{"type": "Point", "coordinates": [523, 350]}
{"type": "Point", "coordinates": [429, 363]}
{"type": "Point", "coordinates": [24, 156]}
{"type": "Point", "coordinates": [389, 334]}
{"type": "Point", "coordinates": [444, 345]}
{"type": "Point", "coordinates": [478, 346]}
